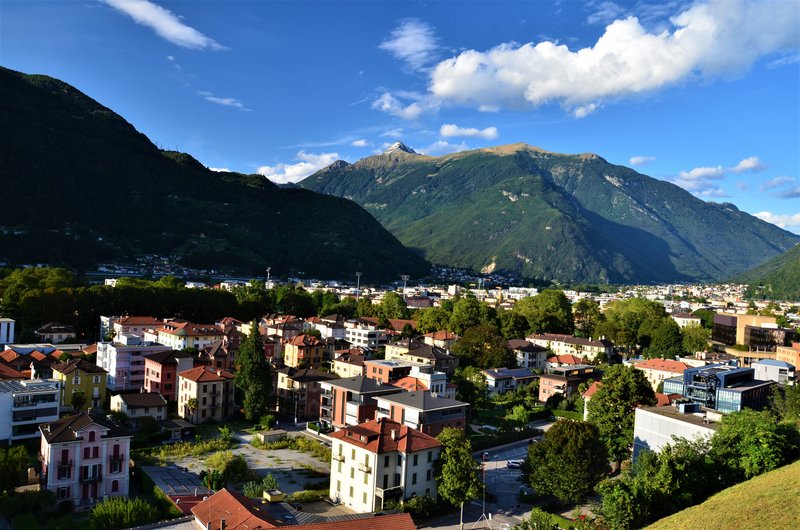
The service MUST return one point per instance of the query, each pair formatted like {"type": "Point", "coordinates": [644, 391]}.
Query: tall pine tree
{"type": "Point", "coordinates": [253, 378]}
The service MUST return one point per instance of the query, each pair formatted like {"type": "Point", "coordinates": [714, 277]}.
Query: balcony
{"type": "Point", "coordinates": [65, 464]}
{"type": "Point", "coordinates": [116, 458]}
{"type": "Point", "coordinates": [366, 468]}
{"type": "Point", "coordinates": [393, 491]}
{"type": "Point", "coordinates": [92, 478]}
{"type": "Point", "coordinates": [338, 458]}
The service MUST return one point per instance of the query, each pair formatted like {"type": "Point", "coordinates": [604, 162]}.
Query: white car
{"type": "Point", "coordinates": [514, 464]}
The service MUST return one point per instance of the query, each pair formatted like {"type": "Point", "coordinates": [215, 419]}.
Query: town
{"type": "Point", "coordinates": [342, 404]}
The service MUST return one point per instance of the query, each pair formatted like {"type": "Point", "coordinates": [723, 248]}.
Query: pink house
{"type": "Point", "coordinates": [85, 459]}
{"type": "Point", "coordinates": [161, 371]}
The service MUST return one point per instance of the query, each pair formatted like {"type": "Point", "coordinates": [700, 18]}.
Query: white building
{"type": "Point", "coordinates": [571, 345]}
{"type": "Point", "coordinates": [362, 334]}
{"type": "Point", "coordinates": [6, 331]}
{"type": "Point", "coordinates": [124, 361]}
{"type": "Point", "coordinates": [26, 404]}
{"type": "Point", "coordinates": [529, 355]}
{"type": "Point", "coordinates": [655, 427]}
{"type": "Point", "coordinates": [139, 405]}
{"type": "Point", "coordinates": [181, 335]}
{"type": "Point", "coordinates": [380, 460]}
{"type": "Point", "coordinates": [772, 370]}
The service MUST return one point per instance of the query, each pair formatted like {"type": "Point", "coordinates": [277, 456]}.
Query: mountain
{"type": "Point", "coordinates": [777, 279]}
{"type": "Point", "coordinates": [544, 215]}
{"type": "Point", "coordinates": [81, 185]}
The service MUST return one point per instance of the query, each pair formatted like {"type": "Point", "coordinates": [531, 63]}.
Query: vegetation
{"type": "Point", "coordinates": [253, 378]}
{"type": "Point", "coordinates": [539, 520]}
{"type": "Point", "coordinates": [257, 488]}
{"type": "Point", "coordinates": [13, 468]}
{"type": "Point", "coordinates": [233, 468]}
{"type": "Point", "coordinates": [777, 279]}
{"type": "Point", "coordinates": [298, 443]}
{"type": "Point", "coordinates": [457, 477]}
{"type": "Point", "coordinates": [547, 312]}
{"type": "Point", "coordinates": [170, 452]}
{"type": "Point", "coordinates": [482, 346]}
{"type": "Point", "coordinates": [117, 513]}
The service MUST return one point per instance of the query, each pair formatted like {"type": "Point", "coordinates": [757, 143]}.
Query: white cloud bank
{"type": "Point", "coordinates": [307, 165]}
{"type": "Point", "coordinates": [714, 39]}
{"type": "Point", "coordinates": [789, 222]}
{"type": "Point", "coordinates": [413, 42]}
{"type": "Point", "coordinates": [641, 160]}
{"type": "Point", "coordinates": [225, 102]}
{"type": "Point", "coordinates": [165, 23]}
{"type": "Point", "coordinates": [749, 165]}
{"type": "Point", "coordinates": [449, 130]}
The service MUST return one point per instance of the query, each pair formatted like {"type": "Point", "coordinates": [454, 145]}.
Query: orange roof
{"type": "Point", "coordinates": [665, 400]}
{"type": "Point", "coordinates": [6, 372]}
{"type": "Point", "coordinates": [203, 374]}
{"type": "Point", "coordinates": [305, 341]}
{"type": "Point", "coordinates": [442, 335]}
{"type": "Point", "coordinates": [138, 321]}
{"type": "Point", "coordinates": [36, 354]}
{"type": "Point", "coordinates": [566, 359]}
{"type": "Point", "coordinates": [238, 511]}
{"type": "Point", "coordinates": [410, 383]}
{"type": "Point", "coordinates": [664, 365]}
{"type": "Point", "coordinates": [395, 521]}
{"type": "Point", "coordinates": [384, 436]}
{"type": "Point", "coordinates": [90, 349]}
{"type": "Point", "coordinates": [592, 389]}
{"type": "Point", "coordinates": [9, 355]}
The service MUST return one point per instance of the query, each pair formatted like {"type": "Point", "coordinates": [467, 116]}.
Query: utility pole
{"type": "Point", "coordinates": [268, 269]}
{"type": "Point", "coordinates": [358, 285]}
{"type": "Point", "coordinates": [404, 277]}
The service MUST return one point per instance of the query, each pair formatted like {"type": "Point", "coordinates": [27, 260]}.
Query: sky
{"type": "Point", "coordinates": [703, 94]}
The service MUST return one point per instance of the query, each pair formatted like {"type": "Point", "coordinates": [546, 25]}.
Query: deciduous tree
{"type": "Point", "coordinates": [547, 312]}
{"type": "Point", "coordinates": [457, 479]}
{"type": "Point", "coordinates": [667, 341]}
{"type": "Point", "coordinates": [695, 338]}
{"type": "Point", "coordinates": [484, 347]}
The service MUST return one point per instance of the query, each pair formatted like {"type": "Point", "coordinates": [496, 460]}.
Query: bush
{"type": "Point", "coordinates": [267, 421]}
{"type": "Point", "coordinates": [117, 513]}
{"type": "Point", "coordinates": [39, 502]}
{"type": "Point", "coordinates": [308, 496]}
{"type": "Point", "coordinates": [421, 508]}
{"type": "Point", "coordinates": [257, 489]}
{"type": "Point", "coordinates": [233, 468]}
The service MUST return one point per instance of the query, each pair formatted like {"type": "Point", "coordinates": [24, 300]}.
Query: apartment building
{"type": "Point", "coordinates": [565, 380]}
{"type": "Point", "coordinates": [423, 411]}
{"type": "Point", "coordinates": [161, 371]}
{"type": "Point", "coordinates": [569, 345]}
{"type": "Point", "coordinates": [306, 350]}
{"type": "Point", "coordinates": [124, 361]}
{"type": "Point", "coordinates": [299, 391]}
{"type": "Point", "coordinates": [24, 405]}
{"type": "Point", "coordinates": [205, 394]}
{"type": "Point", "coordinates": [181, 334]}
{"type": "Point", "coordinates": [657, 370]}
{"type": "Point", "coordinates": [350, 401]}
{"type": "Point", "coordinates": [528, 354]}
{"type": "Point", "coordinates": [419, 352]}
{"type": "Point", "coordinates": [80, 374]}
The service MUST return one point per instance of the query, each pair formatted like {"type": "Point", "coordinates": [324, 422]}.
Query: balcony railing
{"type": "Point", "coordinates": [390, 491]}
{"type": "Point", "coordinates": [366, 468]}
{"type": "Point", "coordinates": [65, 463]}
{"type": "Point", "coordinates": [92, 478]}
{"type": "Point", "coordinates": [117, 458]}
{"type": "Point", "coordinates": [338, 458]}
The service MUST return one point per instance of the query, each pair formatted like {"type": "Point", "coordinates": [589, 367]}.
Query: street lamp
{"type": "Point", "coordinates": [358, 285]}
{"type": "Point", "coordinates": [404, 277]}
{"type": "Point", "coordinates": [268, 269]}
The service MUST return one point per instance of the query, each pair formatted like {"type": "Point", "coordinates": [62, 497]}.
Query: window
{"type": "Point", "coordinates": [340, 466]}
{"type": "Point", "coordinates": [414, 478]}
{"type": "Point", "coordinates": [147, 410]}
{"type": "Point", "coordinates": [95, 452]}
{"type": "Point", "coordinates": [91, 436]}
{"type": "Point", "coordinates": [76, 380]}
{"type": "Point", "coordinates": [96, 380]}
{"type": "Point", "coordinates": [399, 460]}
{"type": "Point", "coordinates": [338, 486]}
{"type": "Point", "coordinates": [351, 492]}
{"type": "Point", "coordinates": [114, 486]}
{"type": "Point", "coordinates": [354, 454]}
{"type": "Point", "coordinates": [416, 459]}
{"type": "Point", "coordinates": [428, 475]}
{"type": "Point", "coordinates": [366, 481]}
{"type": "Point", "coordinates": [364, 497]}
{"type": "Point", "coordinates": [205, 388]}
{"type": "Point", "coordinates": [430, 456]}
{"type": "Point", "coordinates": [352, 472]}
{"type": "Point", "coordinates": [63, 492]}
{"type": "Point", "coordinates": [86, 452]}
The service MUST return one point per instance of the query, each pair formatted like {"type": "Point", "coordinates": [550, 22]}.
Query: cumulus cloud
{"type": "Point", "coordinates": [786, 221]}
{"type": "Point", "coordinates": [701, 181]}
{"type": "Point", "coordinates": [702, 173]}
{"type": "Point", "coordinates": [708, 40]}
{"type": "Point", "coordinates": [641, 160]}
{"type": "Point", "coordinates": [443, 147]}
{"type": "Point", "coordinates": [308, 164]}
{"type": "Point", "coordinates": [406, 105]}
{"type": "Point", "coordinates": [225, 102]}
{"type": "Point", "coordinates": [360, 143]}
{"type": "Point", "coordinates": [605, 12]}
{"type": "Point", "coordinates": [220, 169]}
{"type": "Point", "coordinates": [413, 42]}
{"type": "Point", "coordinates": [749, 165]}
{"type": "Point", "coordinates": [791, 193]}
{"type": "Point", "coordinates": [165, 23]}
{"type": "Point", "coordinates": [449, 130]}
{"type": "Point", "coordinates": [777, 182]}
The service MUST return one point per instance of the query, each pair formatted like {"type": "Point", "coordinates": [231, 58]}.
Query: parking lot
{"type": "Point", "coordinates": [502, 481]}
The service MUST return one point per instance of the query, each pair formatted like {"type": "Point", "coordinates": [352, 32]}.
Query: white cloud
{"type": "Point", "coordinates": [641, 160]}
{"type": "Point", "coordinates": [713, 39]}
{"type": "Point", "coordinates": [170, 58]}
{"type": "Point", "coordinates": [777, 182]}
{"type": "Point", "coordinates": [701, 181]}
{"type": "Point", "coordinates": [414, 42]}
{"type": "Point", "coordinates": [360, 143]}
{"type": "Point", "coordinates": [449, 130]}
{"type": "Point", "coordinates": [443, 147]}
{"type": "Point", "coordinates": [165, 23]}
{"type": "Point", "coordinates": [308, 164]}
{"type": "Point", "coordinates": [702, 173]}
{"type": "Point", "coordinates": [393, 133]}
{"type": "Point", "coordinates": [791, 193]}
{"type": "Point", "coordinates": [220, 169]}
{"type": "Point", "coordinates": [225, 102]}
{"type": "Point", "coordinates": [390, 104]}
{"type": "Point", "coordinates": [786, 221]}
{"type": "Point", "coordinates": [605, 12]}
{"type": "Point", "coordinates": [749, 165]}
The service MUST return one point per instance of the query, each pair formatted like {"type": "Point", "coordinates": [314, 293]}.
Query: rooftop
{"type": "Point", "coordinates": [361, 385]}
{"type": "Point", "coordinates": [143, 399]}
{"type": "Point", "coordinates": [384, 436]}
{"type": "Point", "coordinates": [422, 400]}
{"type": "Point", "coordinates": [67, 429]}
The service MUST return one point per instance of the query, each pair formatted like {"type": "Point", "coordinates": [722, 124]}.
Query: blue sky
{"type": "Point", "coordinates": [704, 94]}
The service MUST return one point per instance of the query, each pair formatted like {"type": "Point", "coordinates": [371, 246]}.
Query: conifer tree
{"type": "Point", "coordinates": [253, 377]}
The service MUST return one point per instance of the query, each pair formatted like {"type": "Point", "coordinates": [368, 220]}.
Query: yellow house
{"type": "Point", "coordinates": [80, 374]}
{"type": "Point", "coordinates": [306, 350]}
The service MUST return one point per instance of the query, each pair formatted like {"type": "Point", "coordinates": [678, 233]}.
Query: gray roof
{"type": "Point", "coordinates": [143, 399]}
{"type": "Point", "coordinates": [362, 385]}
{"type": "Point", "coordinates": [65, 429]}
{"type": "Point", "coordinates": [423, 400]}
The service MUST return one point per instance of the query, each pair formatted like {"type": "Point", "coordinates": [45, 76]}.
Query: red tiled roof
{"type": "Point", "coordinates": [665, 400]}
{"type": "Point", "coordinates": [592, 389]}
{"type": "Point", "coordinates": [202, 374]}
{"type": "Point", "coordinates": [664, 365]}
{"type": "Point", "coordinates": [443, 335]}
{"type": "Point", "coordinates": [566, 359]}
{"type": "Point", "coordinates": [239, 512]}
{"type": "Point", "coordinates": [376, 436]}
{"type": "Point", "coordinates": [304, 340]}
{"type": "Point", "coordinates": [138, 321]}
{"type": "Point", "coordinates": [8, 355]}
{"type": "Point", "coordinates": [6, 373]}
{"type": "Point", "coordinates": [410, 383]}
{"type": "Point", "coordinates": [36, 354]}
{"type": "Point", "coordinates": [395, 521]}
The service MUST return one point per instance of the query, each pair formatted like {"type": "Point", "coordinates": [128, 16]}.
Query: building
{"type": "Point", "coordinates": [350, 401]}
{"type": "Point", "coordinates": [424, 377]}
{"type": "Point", "coordinates": [304, 350]}
{"type": "Point", "coordinates": [388, 370]}
{"type": "Point", "coordinates": [349, 363]}
{"type": "Point", "coordinates": [501, 380]}
{"type": "Point", "coordinates": [6, 331]}
{"type": "Point", "coordinates": [789, 354]}
{"type": "Point", "coordinates": [686, 319]}
{"type": "Point", "coordinates": [26, 404]}
{"type": "Point", "coordinates": [364, 334]}
{"type": "Point", "coordinates": [772, 370]}
{"type": "Point", "coordinates": [124, 361]}
{"type": "Point", "coordinates": [84, 459]}
{"type": "Point", "coordinates": [140, 405]}
{"type": "Point", "coordinates": [299, 391]}
{"type": "Point", "coordinates": [381, 460]}
{"type": "Point", "coordinates": [657, 370]}
{"type": "Point", "coordinates": [329, 326]}
{"type": "Point", "coordinates": [132, 325]}
{"type": "Point", "coordinates": [419, 352]}
{"type": "Point", "coordinates": [565, 380]}
{"type": "Point", "coordinates": [422, 411]}
{"type": "Point", "coordinates": [529, 355]}
{"type": "Point", "coordinates": [569, 345]}
{"type": "Point", "coordinates": [218, 355]}
{"type": "Point", "coordinates": [656, 427]}
{"type": "Point", "coordinates": [721, 387]}
{"type": "Point", "coordinates": [565, 359]}
{"type": "Point", "coordinates": [205, 394]}
{"type": "Point", "coordinates": [759, 333]}
{"type": "Point", "coordinates": [55, 332]}
{"type": "Point", "coordinates": [161, 371]}
{"type": "Point", "coordinates": [181, 334]}
{"type": "Point", "coordinates": [440, 339]}
{"type": "Point", "coordinates": [80, 374]}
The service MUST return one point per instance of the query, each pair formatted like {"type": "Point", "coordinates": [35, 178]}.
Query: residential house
{"type": "Point", "coordinates": [686, 319]}
{"type": "Point", "coordinates": [205, 394]}
{"type": "Point", "coordinates": [286, 327]}
{"type": "Point", "coordinates": [419, 352]}
{"type": "Point", "coordinates": [569, 345]}
{"type": "Point", "coordinates": [657, 370]}
{"type": "Point", "coordinates": [80, 374]}
{"type": "Point", "coordinates": [55, 332]}
{"type": "Point", "coordinates": [9, 374]}
{"type": "Point", "coordinates": [218, 356]}
{"type": "Point", "coordinates": [329, 326]}
{"type": "Point", "coordinates": [84, 459]}
{"type": "Point", "coordinates": [380, 460]}
{"type": "Point", "coordinates": [349, 363]}
{"type": "Point", "coordinates": [161, 371]}
{"type": "Point", "coordinates": [501, 380]}
{"type": "Point", "coordinates": [566, 359]}
{"type": "Point", "coordinates": [133, 325]}
{"type": "Point", "coordinates": [388, 370]}
{"type": "Point", "coordinates": [565, 380]}
{"type": "Point", "coordinates": [440, 339]}
{"type": "Point", "coordinates": [24, 405]}
{"type": "Point", "coordinates": [423, 411]}
{"type": "Point", "coordinates": [528, 354]}
{"type": "Point", "coordinates": [362, 333]}
{"type": "Point", "coordinates": [424, 377]}
{"type": "Point", "coordinates": [124, 361]}
{"type": "Point", "coordinates": [304, 350]}
{"type": "Point", "coordinates": [140, 405]}
{"type": "Point", "coordinates": [300, 391]}
{"type": "Point", "coordinates": [181, 334]}
{"type": "Point", "coordinates": [656, 427]}
{"type": "Point", "coordinates": [350, 401]}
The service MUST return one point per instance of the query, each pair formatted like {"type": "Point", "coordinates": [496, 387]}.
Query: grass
{"type": "Point", "coordinates": [166, 453]}
{"type": "Point", "coordinates": [569, 414]}
{"type": "Point", "coordinates": [767, 501]}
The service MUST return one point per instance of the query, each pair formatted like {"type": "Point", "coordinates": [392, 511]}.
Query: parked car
{"type": "Point", "coordinates": [514, 464]}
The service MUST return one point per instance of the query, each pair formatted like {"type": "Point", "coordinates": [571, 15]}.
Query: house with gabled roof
{"type": "Point", "coordinates": [423, 411]}
{"type": "Point", "coordinates": [161, 371]}
{"type": "Point", "coordinates": [80, 374]}
{"type": "Point", "coordinates": [306, 350]}
{"type": "Point", "coordinates": [212, 392]}
{"type": "Point", "coordinates": [419, 352]}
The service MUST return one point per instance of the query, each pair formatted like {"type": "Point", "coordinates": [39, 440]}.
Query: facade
{"type": "Point", "coordinates": [140, 405]}
{"type": "Point", "coordinates": [388, 370]}
{"type": "Point", "coordinates": [161, 371]}
{"type": "Point", "coordinates": [721, 387]}
{"type": "Point", "coordinates": [789, 354]}
{"type": "Point", "coordinates": [80, 374]}
{"type": "Point", "coordinates": [565, 380]}
{"type": "Point", "coordinates": [304, 349]}
{"type": "Point", "coordinates": [441, 339]}
{"type": "Point", "coordinates": [656, 427]}
{"type": "Point", "coordinates": [133, 325]}
{"type": "Point", "coordinates": [84, 459]}
{"type": "Point", "coordinates": [212, 392]}
{"type": "Point", "coordinates": [330, 326]}
{"type": "Point", "coordinates": [657, 370]}
{"type": "Point", "coordinates": [419, 352]}
{"type": "Point", "coordinates": [381, 460]}
{"type": "Point", "coordinates": [347, 402]}
{"type": "Point", "coordinates": [529, 355]}
{"type": "Point", "coordinates": [6, 331]}
{"type": "Point", "coordinates": [124, 361]}
{"type": "Point", "coordinates": [570, 345]}
{"type": "Point", "coordinates": [772, 370]}
{"type": "Point", "coordinates": [501, 380]}
{"type": "Point", "coordinates": [422, 411]}
{"type": "Point", "coordinates": [55, 332]}
{"type": "Point", "coordinates": [349, 363]}
{"type": "Point", "coordinates": [180, 334]}
{"type": "Point", "coordinates": [686, 319]}
{"type": "Point", "coordinates": [363, 334]}
{"type": "Point", "coordinates": [26, 404]}
{"type": "Point", "coordinates": [760, 333]}
{"type": "Point", "coordinates": [300, 391]}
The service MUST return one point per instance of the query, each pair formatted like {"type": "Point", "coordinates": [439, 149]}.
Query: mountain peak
{"type": "Point", "coordinates": [399, 147]}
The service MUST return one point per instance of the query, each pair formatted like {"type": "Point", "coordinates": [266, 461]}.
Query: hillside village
{"type": "Point", "coordinates": [373, 409]}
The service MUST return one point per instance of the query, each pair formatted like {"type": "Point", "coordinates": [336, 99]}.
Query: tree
{"type": "Point", "coordinates": [623, 319]}
{"type": "Point", "coordinates": [695, 338]}
{"type": "Point", "coordinates": [612, 406]}
{"type": "Point", "coordinates": [512, 325]}
{"type": "Point", "coordinates": [117, 513]}
{"type": "Point", "coordinates": [466, 314]}
{"type": "Point", "coordinates": [78, 399]}
{"type": "Point", "coordinates": [393, 306]}
{"type": "Point", "coordinates": [470, 385]}
{"type": "Point", "coordinates": [484, 347]}
{"type": "Point", "coordinates": [432, 319]}
{"type": "Point", "coordinates": [13, 467]}
{"type": "Point", "coordinates": [538, 520]}
{"type": "Point", "coordinates": [568, 462]}
{"type": "Point", "coordinates": [784, 402]}
{"type": "Point", "coordinates": [192, 406]}
{"type": "Point", "coordinates": [253, 377]}
{"type": "Point", "coordinates": [547, 312]}
{"type": "Point", "coordinates": [587, 315]}
{"type": "Point", "coordinates": [706, 317]}
{"type": "Point", "coordinates": [667, 341]}
{"type": "Point", "coordinates": [457, 480]}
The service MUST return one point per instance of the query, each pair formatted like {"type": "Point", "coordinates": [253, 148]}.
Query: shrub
{"type": "Point", "coordinates": [257, 489]}
{"type": "Point", "coordinates": [232, 467]}
{"type": "Point", "coordinates": [267, 421]}
{"type": "Point", "coordinates": [117, 513]}
{"type": "Point", "coordinates": [421, 508]}
{"type": "Point", "coordinates": [308, 495]}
